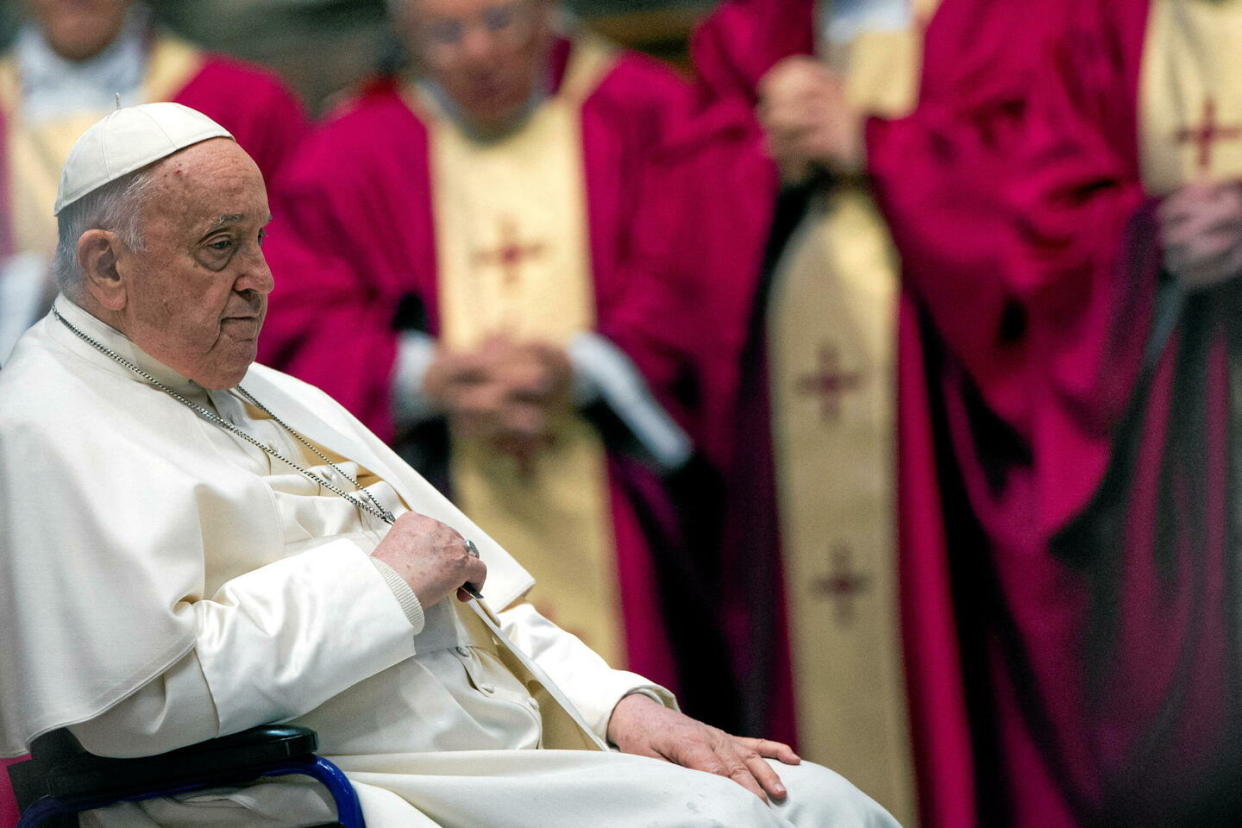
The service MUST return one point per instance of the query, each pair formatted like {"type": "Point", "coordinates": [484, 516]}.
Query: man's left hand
{"type": "Point", "coordinates": [644, 727]}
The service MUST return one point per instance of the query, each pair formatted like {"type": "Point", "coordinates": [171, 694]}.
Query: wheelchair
{"type": "Point", "coordinates": [61, 779]}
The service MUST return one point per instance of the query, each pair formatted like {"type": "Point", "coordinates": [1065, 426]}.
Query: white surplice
{"type": "Point", "coordinates": [163, 582]}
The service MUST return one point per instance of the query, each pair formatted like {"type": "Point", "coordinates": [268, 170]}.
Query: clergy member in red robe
{"type": "Point", "coordinates": [471, 258]}
{"type": "Point", "coordinates": [1091, 439]}
{"type": "Point", "coordinates": [813, 480]}
{"type": "Point", "coordinates": [1076, 346]}
{"type": "Point", "coordinates": [63, 72]}
{"type": "Point", "coordinates": [944, 177]}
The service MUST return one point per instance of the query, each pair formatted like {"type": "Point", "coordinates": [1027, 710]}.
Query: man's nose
{"type": "Point", "coordinates": [478, 45]}
{"type": "Point", "coordinates": [256, 276]}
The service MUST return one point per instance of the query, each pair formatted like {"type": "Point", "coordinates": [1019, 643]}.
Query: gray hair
{"type": "Point", "coordinates": [116, 206]}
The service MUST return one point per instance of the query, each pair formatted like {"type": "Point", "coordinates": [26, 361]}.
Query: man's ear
{"type": "Point", "coordinates": [98, 251]}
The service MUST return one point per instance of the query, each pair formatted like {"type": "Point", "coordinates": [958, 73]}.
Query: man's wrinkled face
{"type": "Point", "coordinates": [197, 295]}
{"type": "Point", "coordinates": [489, 56]}
{"type": "Point", "coordinates": [79, 29]}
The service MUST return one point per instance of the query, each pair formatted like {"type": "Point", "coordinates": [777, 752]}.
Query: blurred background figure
{"type": "Point", "coordinates": [815, 474]}
{"type": "Point", "coordinates": [470, 256]}
{"type": "Point", "coordinates": [1106, 627]}
{"type": "Point", "coordinates": [69, 62]}
{"type": "Point", "coordinates": [848, 384]}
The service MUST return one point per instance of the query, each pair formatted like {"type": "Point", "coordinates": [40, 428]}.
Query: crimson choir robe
{"type": "Point", "coordinates": [1065, 440]}
{"type": "Point", "coordinates": [945, 179]}
{"type": "Point", "coordinates": [810, 330]}
{"type": "Point", "coordinates": [1104, 489]}
{"type": "Point", "coordinates": [354, 251]}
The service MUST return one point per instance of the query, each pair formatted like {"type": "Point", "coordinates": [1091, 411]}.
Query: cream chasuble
{"type": "Point", "coordinates": [514, 260]}
{"type": "Point", "coordinates": [37, 152]}
{"type": "Point", "coordinates": [1190, 95]}
{"type": "Point", "coordinates": [832, 337]}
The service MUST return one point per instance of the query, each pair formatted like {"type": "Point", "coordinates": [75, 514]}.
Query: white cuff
{"type": "Point", "coordinates": [415, 353]}
{"type": "Point", "coordinates": [401, 591]}
{"type": "Point", "coordinates": [603, 371]}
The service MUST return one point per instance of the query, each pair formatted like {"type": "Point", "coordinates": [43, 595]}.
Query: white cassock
{"type": "Point", "coordinates": [163, 582]}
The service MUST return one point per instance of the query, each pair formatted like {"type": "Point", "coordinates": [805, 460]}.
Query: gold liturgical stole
{"type": "Point", "coordinates": [514, 259]}
{"type": "Point", "coordinates": [831, 341]}
{"type": "Point", "coordinates": [37, 152]}
{"type": "Point", "coordinates": [1191, 93]}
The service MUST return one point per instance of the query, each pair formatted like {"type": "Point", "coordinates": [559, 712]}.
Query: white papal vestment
{"type": "Point", "coordinates": [164, 582]}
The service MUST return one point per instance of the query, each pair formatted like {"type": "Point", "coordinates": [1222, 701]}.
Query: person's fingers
{"type": "Point", "coordinates": [524, 420]}
{"type": "Point", "coordinates": [766, 776]}
{"type": "Point", "coordinates": [797, 116]}
{"type": "Point", "coordinates": [772, 749]}
{"type": "Point", "coordinates": [697, 754]}
{"type": "Point", "coordinates": [716, 753]}
{"type": "Point", "coordinates": [1185, 228]}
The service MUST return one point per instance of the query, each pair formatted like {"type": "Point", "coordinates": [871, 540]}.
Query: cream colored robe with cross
{"type": "Point", "coordinates": [163, 582]}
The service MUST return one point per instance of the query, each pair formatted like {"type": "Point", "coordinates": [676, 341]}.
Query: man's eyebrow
{"type": "Point", "coordinates": [225, 220]}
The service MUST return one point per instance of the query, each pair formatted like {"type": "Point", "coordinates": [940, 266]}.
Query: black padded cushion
{"type": "Point", "coordinates": [62, 769]}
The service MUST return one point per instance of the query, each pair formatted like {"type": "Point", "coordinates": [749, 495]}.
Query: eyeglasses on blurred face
{"type": "Point", "coordinates": [442, 40]}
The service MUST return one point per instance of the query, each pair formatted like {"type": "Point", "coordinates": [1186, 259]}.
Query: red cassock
{"type": "Point", "coordinates": [353, 249]}
{"type": "Point", "coordinates": [265, 117]}
{"type": "Point", "coordinates": [1073, 517]}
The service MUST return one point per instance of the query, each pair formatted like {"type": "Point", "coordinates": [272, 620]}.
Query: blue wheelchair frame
{"type": "Point", "coordinates": [62, 779]}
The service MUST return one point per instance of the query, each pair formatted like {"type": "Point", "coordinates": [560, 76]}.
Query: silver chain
{"type": "Point", "coordinates": [373, 506]}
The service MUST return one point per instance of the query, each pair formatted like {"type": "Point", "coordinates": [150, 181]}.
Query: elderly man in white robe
{"type": "Point", "coordinates": [191, 545]}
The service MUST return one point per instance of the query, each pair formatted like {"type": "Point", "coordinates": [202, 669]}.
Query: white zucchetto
{"type": "Point", "coordinates": [127, 140]}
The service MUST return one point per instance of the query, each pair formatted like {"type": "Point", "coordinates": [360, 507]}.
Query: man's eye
{"type": "Point", "coordinates": [445, 33]}
{"type": "Point", "coordinates": [499, 19]}
{"type": "Point", "coordinates": [221, 245]}
{"type": "Point", "coordinates": [262, 236]}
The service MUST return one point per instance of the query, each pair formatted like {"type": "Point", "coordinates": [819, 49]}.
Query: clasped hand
{"type": "Point", "coordinates": [807, 120]}
{"type": "Point", "coordinates": [1201, 230]}
{"type": "Point", "coordinates": [505, 392]}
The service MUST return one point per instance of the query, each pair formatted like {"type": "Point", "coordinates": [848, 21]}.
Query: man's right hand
{"type": "Point", "coordinates": [431, 557]}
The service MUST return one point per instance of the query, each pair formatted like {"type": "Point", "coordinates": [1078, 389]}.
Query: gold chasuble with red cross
{"type": "Point", "coordinates": [36, 152]}
{"type": "Point", "coordinates": [514, 260]}
{"type": "Point", "coordinates": [1190, 94]}
{"type": "Point", "coordinates": [831, 346]}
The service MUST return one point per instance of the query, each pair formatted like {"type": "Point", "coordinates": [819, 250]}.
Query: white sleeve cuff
{"type": "Point", "coordinates": [602, 371]}
{"type": "Point", "coordinates": [587, 681]}
{"type": "Point", "coordinates": [401, 591]}
{"type": "Point", "coordinates": [415, 353]}
{"type": "Point", "coordinates": [279, 641]}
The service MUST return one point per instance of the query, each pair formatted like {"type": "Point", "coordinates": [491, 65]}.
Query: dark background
{"type": "Point", "coordinates": [323, 46]}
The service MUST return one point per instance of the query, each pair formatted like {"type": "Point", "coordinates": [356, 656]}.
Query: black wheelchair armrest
{"type": "Point", "coordinates": [61, 769]}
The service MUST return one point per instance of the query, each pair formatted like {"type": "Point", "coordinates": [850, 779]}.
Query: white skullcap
{"type": "Point", "coordinates": [129, 139]}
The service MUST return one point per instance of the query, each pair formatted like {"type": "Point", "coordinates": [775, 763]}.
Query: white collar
{"type": "Point", "coordinates": [121, 345]}
{"type": "Point", "coordinates": [54, 87]}
{"type": "Point", "coordinates": [843, 20]}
